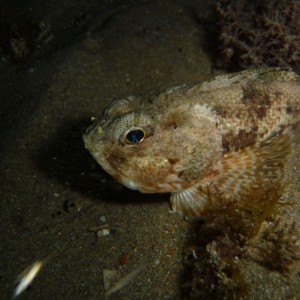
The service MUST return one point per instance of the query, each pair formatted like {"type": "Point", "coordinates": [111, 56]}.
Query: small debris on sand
{"type": "Point", "coordinates": [109, 278]}
{"type": "Point", "coordinates": [126, 280]}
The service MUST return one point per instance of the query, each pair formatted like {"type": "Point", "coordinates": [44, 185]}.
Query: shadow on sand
{"type": "Point", "coordinates": [65, 159]}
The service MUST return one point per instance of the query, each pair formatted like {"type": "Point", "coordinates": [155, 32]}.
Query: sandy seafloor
{"type": "Point", "coordinates": [52, 192]}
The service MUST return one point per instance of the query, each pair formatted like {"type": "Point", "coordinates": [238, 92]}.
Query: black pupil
{"type": "Point", "coordinates": [135, 136]}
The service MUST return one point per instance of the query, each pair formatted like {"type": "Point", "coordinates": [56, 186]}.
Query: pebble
{"type": "Point", "coordinates": [103, 232]}
{"type": "Point", "coordinates": [103, 219]}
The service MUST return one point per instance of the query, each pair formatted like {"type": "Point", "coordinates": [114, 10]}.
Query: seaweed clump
{"type": "Point", "coordinates": [243, 249]}
{"type": "Point", "coordinates": [259, 33]}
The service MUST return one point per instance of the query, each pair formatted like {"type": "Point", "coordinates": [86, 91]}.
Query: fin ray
{"type": "Point", "coordinates": [236, 175]}
{"type": "Point", "coordinates": [189, 202]}
{"type": "Point", "coordinates": [263, 161]}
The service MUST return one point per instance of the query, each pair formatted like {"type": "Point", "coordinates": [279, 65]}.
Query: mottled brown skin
{"type": "Point", "coordinates": [189, 130]}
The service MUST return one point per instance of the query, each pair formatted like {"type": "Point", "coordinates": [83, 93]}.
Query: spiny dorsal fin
{"type": "Point", "coordinates": [237, 174]}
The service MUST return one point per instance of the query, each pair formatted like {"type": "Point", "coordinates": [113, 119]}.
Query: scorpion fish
{"type": "Point", "coordinates": [231, 133]}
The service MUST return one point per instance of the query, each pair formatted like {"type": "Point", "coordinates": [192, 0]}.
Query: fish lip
{"type": "Point", "coordinates": [90, 129]}
{"type": "Point", "coordinates": [85, 136]}
{"type": "Point", "coordinates": [94, 133]}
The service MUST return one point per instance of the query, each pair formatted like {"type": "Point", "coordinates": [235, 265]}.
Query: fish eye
{"type": "Point", "coordinates": [135, 136]}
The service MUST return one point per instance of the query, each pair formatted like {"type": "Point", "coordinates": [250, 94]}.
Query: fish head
{"type": "Point", "coordinates": [155, 146]}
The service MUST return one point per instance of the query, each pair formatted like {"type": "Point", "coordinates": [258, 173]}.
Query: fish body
{"type": "Point", "coordinates": [230, 133]}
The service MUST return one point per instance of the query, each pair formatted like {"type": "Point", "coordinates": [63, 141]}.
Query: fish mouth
{"type": "Point", "coordinates": [93, 136]}
{"type": "Point", "coordinates": [90, 129]}
{"type": "Point", "coordinates": [86, 135]}
{"type": "Point", "coordinates": [86, 138]}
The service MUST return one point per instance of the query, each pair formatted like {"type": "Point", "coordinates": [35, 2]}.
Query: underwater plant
{"type": "Point", "coordinates": [259, 33]}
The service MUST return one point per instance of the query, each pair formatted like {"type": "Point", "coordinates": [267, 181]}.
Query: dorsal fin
{"type": "Point", "coordinates": [237, 174]}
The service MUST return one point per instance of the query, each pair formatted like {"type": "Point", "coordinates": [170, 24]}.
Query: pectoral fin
{"type": "Point", "coordinates": [237, 175]}
{"type": "Point", "coordinates": [189, 202]}
{"type": "Point", "coordinates": [242, 171]}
